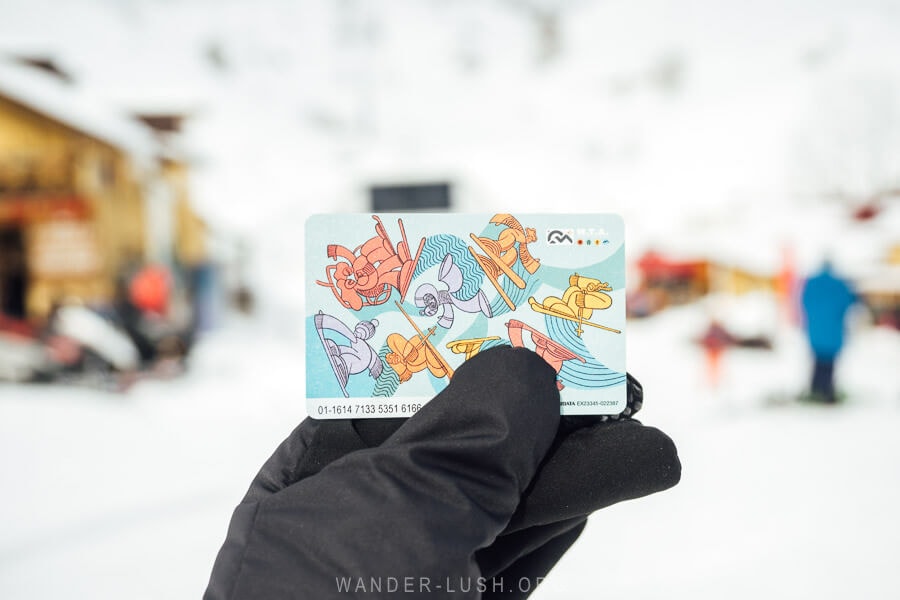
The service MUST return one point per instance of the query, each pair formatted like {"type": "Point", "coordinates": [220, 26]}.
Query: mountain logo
{"type": "Point", "coordinates": [560, 237]}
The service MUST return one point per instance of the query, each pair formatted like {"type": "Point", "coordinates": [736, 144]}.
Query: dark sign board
{"type": "Point", "coordinates": [410, 197]}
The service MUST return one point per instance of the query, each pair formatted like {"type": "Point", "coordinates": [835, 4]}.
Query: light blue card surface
{"type": "Point", "coordinates": [396, 302]}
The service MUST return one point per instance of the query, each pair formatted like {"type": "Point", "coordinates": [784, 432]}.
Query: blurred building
{"type": "Point", "coordinates": [86, 193]}
{"type": "Point", "coordinates": [667, 279]}
{"type": "Point", "coordinates": [879, 289]}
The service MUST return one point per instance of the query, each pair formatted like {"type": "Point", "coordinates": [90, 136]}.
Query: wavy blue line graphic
{"type": "Point", "coordinates": [433, 253]}
{"type": "Point", "coordinates": [610, 270]}
{"type": "Point", "coordinates": [591, 374]}
{"type": "Point", "coordinates": [386, 385]}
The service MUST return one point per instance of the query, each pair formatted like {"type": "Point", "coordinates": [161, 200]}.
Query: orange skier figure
{"type": "Point", "coordinates": [412, 355]}
{"type": "Point", "coordinates": [501, 254]}
{"type": "Point", "coordinates": [552, 352]}
{"type": "Point", "coordinates": [372, 270]}
{"type": "Point", "coordinates": [408, 356]}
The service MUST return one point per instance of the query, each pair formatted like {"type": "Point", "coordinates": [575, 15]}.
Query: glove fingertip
{"type": "Point", "coordinates": [663, 456]}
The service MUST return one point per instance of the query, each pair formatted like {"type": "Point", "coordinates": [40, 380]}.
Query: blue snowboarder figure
{"type": "Point", "coordinates": [826, 299]}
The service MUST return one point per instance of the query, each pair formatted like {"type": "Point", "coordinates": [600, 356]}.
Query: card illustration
{"type": "Point", "coordinates": [578, 303]}
{"type": "Point", "coordinates": [351, 358]}
{"type": "Point", "coordinates": [502, 254]}
{"type": "Point", "coordinates": [409, 356]}
{"type": "Point", "coordinates": [366, 275]}
{"type": "Point", "coordinates": [552, 352]}
{"type": "Point", "coordinates": [433, 301]}
{"type": "Point", "coordinates": [393, 324]}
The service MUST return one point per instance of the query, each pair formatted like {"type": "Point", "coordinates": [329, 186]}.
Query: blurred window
{"type": "Point", "coordinates": [106, 171]}
{"type": "Point", "coordinates": [13, 274]}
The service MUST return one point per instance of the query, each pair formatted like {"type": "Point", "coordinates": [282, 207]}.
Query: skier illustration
{"type": "Point", "coordinates": [578, 303]}
{"type": "Point", "coordinates": [412, 355]}
{"type": "Point", "coordinates": [552, 352]}
{"type": "Point", "coordinates": [354, 357]}
{"type": "Point", "coordinates": [433, 301]}
{"type": "Point", "coordinates": [501, 254]}
{"type": "Point", "coordinates": [368, 274]}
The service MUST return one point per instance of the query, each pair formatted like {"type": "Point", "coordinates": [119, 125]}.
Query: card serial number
{"type": "Point", "coordinates": [335, 409]}
{"type": "Point", "coordinates": [368, 409]}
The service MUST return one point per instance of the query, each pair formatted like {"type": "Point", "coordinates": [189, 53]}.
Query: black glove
{"type": "Point", "coordinates": [477, 495]}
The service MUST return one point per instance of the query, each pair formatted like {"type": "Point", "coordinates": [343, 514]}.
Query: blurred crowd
{"type": "Point", "coordinates": [148, 328]}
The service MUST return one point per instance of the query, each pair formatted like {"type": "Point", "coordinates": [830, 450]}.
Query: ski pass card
{"type": "Point", "coordinates": [396, 302]}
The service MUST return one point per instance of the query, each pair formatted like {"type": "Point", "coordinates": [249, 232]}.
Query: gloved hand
{"type": "Point", "coordinates": [477, 495]}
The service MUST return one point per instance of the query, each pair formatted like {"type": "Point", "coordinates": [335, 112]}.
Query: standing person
{"type": "Point", "coordinates": [714, 341]}
{"type": "Point", "coordinates": [826, 298]}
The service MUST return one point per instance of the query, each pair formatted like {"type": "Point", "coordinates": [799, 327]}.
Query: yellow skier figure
{"type": "Point", "coordinates": [578, 303]}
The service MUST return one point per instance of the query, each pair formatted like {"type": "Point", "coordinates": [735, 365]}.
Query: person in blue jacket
{"type": "Point", "coordinates": [826, 300]}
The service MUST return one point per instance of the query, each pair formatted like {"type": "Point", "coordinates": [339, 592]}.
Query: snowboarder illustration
{"type": "Point", "coordinates": [501, 254]}
{"type": "Point", "coordinates": [354, 357]}
{"type": "Point", "coordinates": [578, 303]}
{"type": "Point", "coordinates": [368, 274]}
{"type": "Point", "coordinates": [433, 301]}
{"type": "Point", "coordinates": [552, 352]}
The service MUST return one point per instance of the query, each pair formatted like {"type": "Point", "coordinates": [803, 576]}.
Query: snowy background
{"type": "Point", "coordinates": [717, 127]}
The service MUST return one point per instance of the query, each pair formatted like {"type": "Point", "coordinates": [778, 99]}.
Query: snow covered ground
{"type": "Point", "coordinates": [113, 496]}
{"type": "Point", "coordinates": [712, 126]}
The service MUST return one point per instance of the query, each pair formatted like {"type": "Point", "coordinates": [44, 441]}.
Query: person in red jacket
{"type": "Point", "coordinates": [150, 289]}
